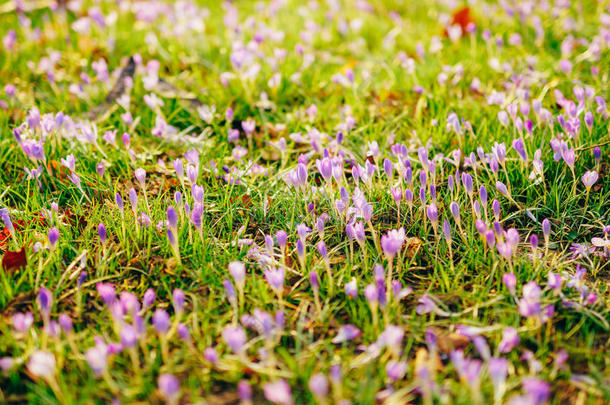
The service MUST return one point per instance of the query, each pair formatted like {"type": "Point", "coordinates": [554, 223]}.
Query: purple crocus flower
{"type": "Point", "coordinates": [129, 336]}
{"type": "Point", "coordinates": [234, 337]}
{"type": "Point", "coordinates": [589, 179]}
{"type": "Point", "coordinates": [161, 321]}
{"type": "Point", "coordinates": [245, 392]}
{"type": "Point", "coordinates": [65, 322]}
{"type": "Point", "coordinates": [325, 167]}
{"type": "Point", "coordinates": [22, 322]}
{"type": "Point", "coordinates": [45, 301]}
{"type": "Point", "coordinates": [178, 300]}
{"type": "Point", "coordinates": [351, 289]}
{"type": "Point", "coordinates": [238, 272]}
{"type": "Point", "coordinates": [169, 388]}
{"type": "Point", "coordinates": [106, 292]}
{"type": "Point", "coordinates": [455, 211]}
{"type": "Point", "coordinates": [53, 237]}
{"type": "Point", "coordinates": [101, 231]}
{"type": "Point", "coordinates": [42, 364]}
{"type": "Point", "coordinates": [278, 392]}
{"type": "Point", "coordinates": [118, 199]}
{"type": "Point", "coordinates": [537, 391]}
{"type": "Point", "coordinates": [502, 188]}
{"type": "Point", "coordinates": [6, 218]}
{"type": "Point", "coordinates": [395, 370]}
{"type": "Point", "coordinates": [392, 242]}
{"type": "Point", "coordinates": [498, 371]}
{"type": "Point", "coordinates": [432, 213]}
{"type": "Point", "coordinates": [211, 355]}
{"type": "Point", "coordinates": [275, 278]}
{"type": "Point", "coordinates": [314, 280]}
{"type": "Point", "coordinates": [510, 339]}
{"type": "Point", "coordinates": [149, 298]}
{"type": "Point", "coordinates": [425, 305]}
{"type": "Point", "coordinates": [318, 385]}
{"type": "Point", "coordinates": [97, 357]}
{"type": "Point", "coordinates": [346, 333]}
{"type": "Point", "coordinates": [597, 154]}
{"type": "Point", "coordinates": [281, 237]}
{"type": "Point", "coordinates": [529, 305]}
{"type": "Point", "coordinates": [133, 200]}
{"type": "Point", "coordinates": [140, 175]}
{"type": "Point", "coordinates": [554, 281]}
{"type": "Point", "coordinates": [510, 281]}
{"type": "Point", "coordinates": [519, 147]}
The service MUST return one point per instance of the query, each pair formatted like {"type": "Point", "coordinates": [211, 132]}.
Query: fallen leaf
{"type": "Point", "coordinates": [14, 260]}
{"type": "Point", "coordinates": [451, 341]}
{"type": "Point", "coordinates": [461, 17]}
{"type": "Point", "coordinates": [413, 245]}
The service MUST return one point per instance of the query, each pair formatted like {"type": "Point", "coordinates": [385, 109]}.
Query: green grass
{"type": "Point", "coordinates": [465, 280]}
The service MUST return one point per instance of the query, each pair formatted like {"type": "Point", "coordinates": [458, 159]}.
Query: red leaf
{"type": "Point", "coordinates": [14, 260]}
{"type": "Point", "coordinates": [462, 18]}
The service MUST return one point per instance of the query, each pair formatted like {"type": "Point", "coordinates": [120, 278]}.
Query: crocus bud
{"type": "Point", "coordinates": [169, 388]}
{"type": "Point", "coordinates": [322, 249]}
{"type": "Point", "coordinates": [447, 231]}
{"type": "Point", "coordinates": [238, 272]}
{"type": "Point", "coordinates": [101, 231]}
{"type": "Point", "coordinates": [495, 205]}
{"type": "Point", "coordinates": [281, 237]}
{"type": "Point", "coordinates": [318, 385]}
{"type": "Point", "coordinates": [597, 154]}
{"type": "Point", "coordinates": [546, 229]}
{"type": "Point", "coordinates": [161, 321]}
{"type": "Point", "coordinates": [129, 336]}
{"type": "Point", "coordinates": [483, 195]}
{"type": "Point", "coordinates": [53, 237]}
{"type": "Point", "coordinates": [351, 288]}
{"type": "Point", "coordinates": [45, 301]}
{"type": "Point", "coordinates": [210, 355]}
{"type": "Point", "coordinates": [314, 280]}
{"type": "Point", "coordinates": [149, 298]}
{"type": "Point", "coordinates": [119, 202]}
{"type": "Point", "coordinates": [234, 337]}
{"type": "Point", "coordinates": [140, 176]}
{"type": "Point", "coordinates": [42, 364]}
{"type": "Point", "coordinates": [534, 241]}
{"type": "Point", "coordinates": [178, 300]}
{"type": "Point", "coordinates": [245, 392]}
{"type": "Point", "coordinates": [502, 188]}
{"type": "Point", "coordinates": [172, 217]}
{"type": "Point", "coordinates": [65, 322]}
{"type": "Point", "coordinates": [510, 281]}
{"type": "Point", "coordinates": [133, 200]}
